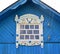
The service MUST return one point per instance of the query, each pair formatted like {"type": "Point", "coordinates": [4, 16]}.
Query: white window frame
{"type": "Point", "coordinates": [35, 21]}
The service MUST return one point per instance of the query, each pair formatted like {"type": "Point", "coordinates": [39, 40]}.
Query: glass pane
{"type": "Point", "coordinates": [36, 31]}
{"type": "Point", "coordinates": [36, 26]}
{"type": "Point", "coordinates": [29, 31]}
{"type": "Point", "coordinates": [26, 26]}
{"type": "Point", "coordinates": [27, 37]}
{"type": "Point", "coordinates": [31, 36]}
{"type": "Point", "coordinates": [31, 26]}
{"type": "Point", "coordinates": [36, 36]}
{"type": "Point", "coordinates": [22, 32]}
{"type": "Point", "coordinates": [21, 26]}
{"type": "Point", "coordinates": [21, 36]}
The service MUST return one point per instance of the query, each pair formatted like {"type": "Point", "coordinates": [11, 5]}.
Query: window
{"type": "Point", "coordinates": [26, 36]}
{"type": "Point", "coordinates": [31, 36]}
{"type": "Point", "coordinates": [36, 36]}
{"type": "Point", "coordinates": [31, 26]}
{"type": "Point", "coordinates": [29, 31]}
{"type": "Point", "coordinates": [26, 26]}
{"type": "Point", "coordinates": [22, 31]}
{"type": "Point", "coordinates": [36, 26]}
{"type": "Point", "coordinates": [21, 26]}
{"type": "Point", "coordinates": [21, 36]}
{"type": "Point", "coordinates": [36, 31]}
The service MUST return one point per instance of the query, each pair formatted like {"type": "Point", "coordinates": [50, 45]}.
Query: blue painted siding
{"type": "Point", "coordinates": [8, 32]}
{"type": "Point", "coordinates": [48, 49]}
{"type": "Point", "coordinates": [8, 26]}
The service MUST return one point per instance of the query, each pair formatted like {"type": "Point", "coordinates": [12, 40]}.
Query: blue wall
{"type": "Point", "coordinates": [8, 32]}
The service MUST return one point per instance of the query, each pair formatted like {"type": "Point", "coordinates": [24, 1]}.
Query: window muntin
{"type": "Point", "coordinates": [29, 31]}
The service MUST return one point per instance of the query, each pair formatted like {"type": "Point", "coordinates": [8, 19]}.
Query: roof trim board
{"type": "Point", "coordinates": [38, 2]}
{"type": "Point", "coordinates": [13, 6]}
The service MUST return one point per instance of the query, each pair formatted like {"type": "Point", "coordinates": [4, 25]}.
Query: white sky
{"type": "Point", "coordinates": [5, 3]}
{"type": "Point", "coordinates": [52, 3]}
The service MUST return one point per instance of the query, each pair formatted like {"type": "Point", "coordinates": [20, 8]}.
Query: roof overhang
{"type": "Point", "coordinates": [38, 2]}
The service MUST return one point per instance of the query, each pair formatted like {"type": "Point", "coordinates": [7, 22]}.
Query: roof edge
{"type": "Point", "coordinates": [13, 6]}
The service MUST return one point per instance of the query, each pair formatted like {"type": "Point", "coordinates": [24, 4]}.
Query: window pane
{"type": "Point", "coordinates": [26, 26]}
{"type": "Point", "coordinates": [22, 32]}
{"type": "Point", "coordinates": [27, 37]}
{"type": "Point", "coordinates": [21, 36]}
{"type": "Point", "coordinates": [31, 36]}
{"type": "Point", "coordinates": [29, 31]}
{"type": "Point", "coordinates": [36, 26]}
{"type": "Point", "coordinates": [36, 36]}
{"type": "Point", "coordinates": [36, 31]}
{"type": "Point", "coordinates": [31, 26]}
{"type": "Point", "coordinates": [21, 26]}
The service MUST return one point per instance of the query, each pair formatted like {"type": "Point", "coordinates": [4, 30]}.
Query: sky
{"type": "Point", "coordinates": [5, 3]}
{"type": "Point", "coordinates": [52, 3]}
{"type": "Point", "coordinates": [55, 4]}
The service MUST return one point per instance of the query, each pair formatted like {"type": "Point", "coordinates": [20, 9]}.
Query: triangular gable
{"type": "Point", "coordinates": [39, 3]}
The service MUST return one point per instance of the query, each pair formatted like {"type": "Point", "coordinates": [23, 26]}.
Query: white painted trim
{"type": "Point", "coordinates": [34, 20]}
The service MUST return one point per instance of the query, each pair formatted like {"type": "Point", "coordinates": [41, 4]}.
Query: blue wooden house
{"type": "Point", "coordinates": [29, 27]}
